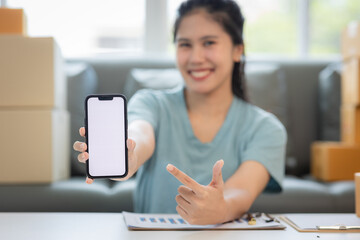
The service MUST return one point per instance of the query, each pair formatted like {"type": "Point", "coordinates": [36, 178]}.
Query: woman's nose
{"type": "Point", "coordinates": [197, 55]}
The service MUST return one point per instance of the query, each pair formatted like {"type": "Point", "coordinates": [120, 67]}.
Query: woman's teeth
{"type": "Point", "coordinates": [199, 74]}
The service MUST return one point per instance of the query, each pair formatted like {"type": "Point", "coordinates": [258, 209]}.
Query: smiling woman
{"type": "Point", "coordinates": [205, 54]}
{"type": "Point", "coordinates": [177, 136]}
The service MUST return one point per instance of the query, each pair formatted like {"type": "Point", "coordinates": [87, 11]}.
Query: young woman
{"type": "Point", "coordinates": [207, 119]}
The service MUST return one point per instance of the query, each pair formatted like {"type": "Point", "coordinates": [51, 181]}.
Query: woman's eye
{"type": "Point", "coordinates": [184, 45]}
{"type": "Point", "coordinates": [209, 43]}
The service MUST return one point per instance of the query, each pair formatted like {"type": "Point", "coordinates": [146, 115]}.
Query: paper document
{"type": "Point", "coordinates": [136, 221]}
{"type": "Point", "coordinates": [323, 222]}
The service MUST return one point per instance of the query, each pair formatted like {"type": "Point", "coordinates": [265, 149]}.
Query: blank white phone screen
{"type": "Point", "coordinates": [106, 137]}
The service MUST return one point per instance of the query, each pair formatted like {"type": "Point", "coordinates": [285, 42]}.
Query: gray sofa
{"type": "Point", "coordinates": [291, 91]}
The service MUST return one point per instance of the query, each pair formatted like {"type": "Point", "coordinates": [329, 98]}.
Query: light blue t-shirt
{"type": "Point", "coordinates": [248, 133]}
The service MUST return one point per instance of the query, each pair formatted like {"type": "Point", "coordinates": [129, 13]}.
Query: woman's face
{"type": "Point", "coordinates": [205, 54]}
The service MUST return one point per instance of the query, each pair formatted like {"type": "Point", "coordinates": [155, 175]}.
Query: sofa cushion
{"type": "Point", "coordinates": [305, 195]}
{"type": "Point", "coordinates": [140, 78]}
{"type": "Point", "coordinates": [266, 88]}
{"type": "Point", "coordinates": [329, 102]}
{"type": "Point", "coordinates": [82, 81]}
{"type": "Point", "coordinates": [71, 195]}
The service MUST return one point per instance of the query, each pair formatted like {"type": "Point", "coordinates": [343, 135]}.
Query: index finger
{"type": "Point", "coordinates": [82, 131]}
{"type": "Point", "coordinates": [183, 178]}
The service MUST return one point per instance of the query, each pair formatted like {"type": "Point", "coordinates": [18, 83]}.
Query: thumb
{"type": "Point", "coordinates": [217, 179]}
{"type": "Point", "coordinates": [131, 144]}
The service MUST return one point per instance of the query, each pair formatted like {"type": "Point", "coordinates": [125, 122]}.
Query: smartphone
{"type": "Point", "coordinates": [106, 134]}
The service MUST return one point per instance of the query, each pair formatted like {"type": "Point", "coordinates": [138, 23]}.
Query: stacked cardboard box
{"type": "Point", "coordinates": [340, 160]}
{"type": "Point", "coordinates": [333, 161]}
{"type": "Point", "coordinates": [34, 123]}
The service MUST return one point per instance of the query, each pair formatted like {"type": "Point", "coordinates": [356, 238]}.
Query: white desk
{"type": "Point", "coordinates": [109, 226]}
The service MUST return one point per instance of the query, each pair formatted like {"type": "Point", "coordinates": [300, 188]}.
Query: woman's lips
{"type": "Point", "coordinates": [199, 75]}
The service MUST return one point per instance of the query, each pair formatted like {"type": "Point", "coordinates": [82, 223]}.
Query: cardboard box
{"type": "Point", "coordinates": [12, 21]}
{"type": "Point", "coordinates": [350, 82]}
{"type": "Point", "coordinates": [357, 194]}
{"type": "Point", "coordinates": [350, 124]}
{"type": "Point", "coordinates": [350, 40]}
{"type": "Point", "coordinates": [34, 146]}
{"type": "Point", "coordinates": [332, 161]}
{"type": "Point", "coordinates": [31, 73]}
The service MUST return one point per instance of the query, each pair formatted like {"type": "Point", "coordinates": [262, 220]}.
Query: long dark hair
{"type": "Point", "coordinates": [228, 14]}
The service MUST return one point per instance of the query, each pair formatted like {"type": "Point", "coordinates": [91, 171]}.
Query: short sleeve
{"type": "Point", "coordinates": [144, 106]}
{"type": "Point", "coordinates": [267, 145]}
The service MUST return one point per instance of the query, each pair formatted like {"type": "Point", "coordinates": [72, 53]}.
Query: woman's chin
{"type": "Point", "coordinates": [203, 90]}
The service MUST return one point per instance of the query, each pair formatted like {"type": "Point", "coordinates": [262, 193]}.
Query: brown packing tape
{"type": "Point", "coordinates": [13, 21]}
{"type": "Point", "coordinates": [332, 161]}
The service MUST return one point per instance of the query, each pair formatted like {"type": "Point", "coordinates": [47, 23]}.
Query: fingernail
{"type": "Point", "coordinates": [82, 146]}
{"type": "Point", "coordinates": [88, 180]}
{"type": "Point", "coordinates": [83, 157]}
{"type": "Point", "coordinates": [170, 167]}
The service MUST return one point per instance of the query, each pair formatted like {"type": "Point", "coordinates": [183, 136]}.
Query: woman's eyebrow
{"type": "Point", "coordinates": [208, 37]}
{"type": "Point", "coordinates": [202, 38]}
{"type": "Point", "coordinates": [182, 40]}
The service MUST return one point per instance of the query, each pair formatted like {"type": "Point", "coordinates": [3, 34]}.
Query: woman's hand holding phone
{"type": "Point", "coordinates": [84, 156]}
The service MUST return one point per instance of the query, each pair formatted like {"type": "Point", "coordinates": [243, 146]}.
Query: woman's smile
{"type": "Point", "coordinates": [200, 74]}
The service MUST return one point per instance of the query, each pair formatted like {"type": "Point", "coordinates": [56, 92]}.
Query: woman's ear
{"type": "Point", "coordinates": [238, 52]}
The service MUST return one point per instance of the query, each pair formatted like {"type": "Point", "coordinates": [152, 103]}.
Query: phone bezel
{"type": "Point", "coordinates": [126, 131]}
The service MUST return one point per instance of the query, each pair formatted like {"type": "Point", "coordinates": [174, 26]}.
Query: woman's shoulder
{"type": "Point", "coordinates": [255, 115]}
{"type": "Point", "coordinates": [160, 100]}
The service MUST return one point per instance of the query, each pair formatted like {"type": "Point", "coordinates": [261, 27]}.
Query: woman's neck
{"type": "Point", "coordinates": [208, 104]}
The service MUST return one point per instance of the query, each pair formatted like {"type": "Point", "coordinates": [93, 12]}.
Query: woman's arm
{"type": "Point", "coordinates": [243, 187]}
{"type": "Point", "coordinates": [142, 144]}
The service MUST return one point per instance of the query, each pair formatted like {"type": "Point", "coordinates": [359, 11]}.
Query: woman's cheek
{"type": "Point", "coordinates": [180, 57]}
{"type": "Point", "coordinates": [181, 63]}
